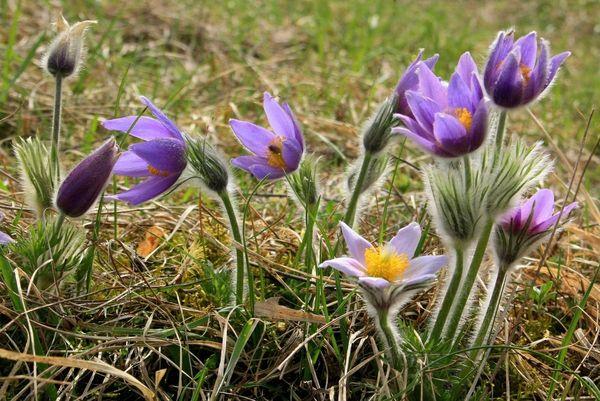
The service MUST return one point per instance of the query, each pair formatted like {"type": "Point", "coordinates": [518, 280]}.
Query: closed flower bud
{"type": "Point", "coordinates": [304, 183]}
{"type": "Point", "coordinates": [378, 130]}
{"type": "Point", "coordinates": [81, 188]}
{"type": "Point", "coordinates": [207, 165]}
{"type": "Point", "coordinates": [65, 53]}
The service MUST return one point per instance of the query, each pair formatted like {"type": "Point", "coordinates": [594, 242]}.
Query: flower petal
{"type": "Point", "coordinates": [545, 225]}
{"type": "Point", "coordinates": [165, 154]}
{"type": "Point", "coordinates": [425, 265]}
{"type": "Point", "coordinates": [297, 128]}
{"type": "Point", "coordinates": [426, 144]}
{"type": "Point", "coordinates": [146, 190]}
{"type": "Point", "coordinates": [459, 93]}
{"type": "Point", "coordinates": [555, 63]}
{"type": "Point", "coordinates": [356, 244]}
{"type": "Point", "coordinates": [431, 86]}
{"type": "Point", "coordinates": [466, 67]}
{"type": "Point", "coordinates": [254, 138]}
{"type": "Point", "coordinates": [407, 239]}
{"type": "Point", "coordinates": [451, 134]}
{"type": "Point", "coordinates": [169, 125]}
{"type": "Point", "coordinates": [348, 266]}
{"type": "Point", "coordinates": [291, 154]}
{"type": "Point", "coordinates": [423, 108]}
{"type": "Point", "coordinates": [479, 126]}
{"type": "Point", "coordinates": [278, 119]}
{"type": "Point", "coordinates": [374, 282]}
{"type": "Point", "coordinates": [508, 90]}
{"type": "Point", "coordinates": [5, 239]}
{"type": "Point", "coordinates": [145, 128]}
{"type": "Point", "coordinates": [528, 45]}
{"type": "Point", "coordinates": [131, 165]}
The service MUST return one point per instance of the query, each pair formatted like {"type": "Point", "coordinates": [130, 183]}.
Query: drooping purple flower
{"type": "Point", "coordinates": [5, 239]}
{"type": "Point", "coordinates": [446, 120]}
{"type": "Point", "coordinates": [81, 188]}
{"type": "Point", "coordinates": [410, 81]}
{"type": "Point", "coordinates": [387, 271]}
{"type": "Point", "coordinates": [535, 215]}
{"type": "Point", "coordinates": [275, 153]}
{"type": "Point", "coordinates": [517, 73]}
{"type": "Point", "coordinates": [160, 158]}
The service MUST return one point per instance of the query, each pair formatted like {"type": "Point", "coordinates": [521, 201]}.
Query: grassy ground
{"type": "Point", "coordinates": [206, 62]}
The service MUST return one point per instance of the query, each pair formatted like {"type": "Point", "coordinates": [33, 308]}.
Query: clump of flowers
{"type": "Point", "coordinates": [160, 158]}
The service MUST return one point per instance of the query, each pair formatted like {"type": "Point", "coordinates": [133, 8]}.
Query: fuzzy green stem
{"type": "Point", "coordinates": [389, 338]}
{"type": "Point", "coordinates": [449, 297]}
{"type": "Point", "coordinates": [500, 129]}
{"type": "Point", "coordinates": [239, 254]}
{"type": "Point", "coordinates": [353, 204]}
{"type": "Point", "coordinates": [55, 144]}
{"type": "Point", "coordinates": [466, 287]}
{"type": "Point", "coordinates": [482, 337]}
{"type": "Point", "coordinates": [467, 163]}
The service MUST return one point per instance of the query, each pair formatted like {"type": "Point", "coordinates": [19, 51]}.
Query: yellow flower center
{"type": "Point", "coordinates": [384, 262]}
{"type": "Point", "coordinates": [464, 116]}
{"type": "Point", "coordinates": [155, 171]}
{"type": "Point", "coordinates": [274, 153]}
{"type": "Point", "coordinates": [525, 72]}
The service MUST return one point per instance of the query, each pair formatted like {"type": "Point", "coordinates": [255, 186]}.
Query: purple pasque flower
{"type": "Point", "coordinates": [5, 239]}
{"type": "Point", "coordinates": [388, 270]}
{"type": "Point", "coordinates": [535, 215]}
{"type": "Point", "coordinates": [516, 73]}
{"type": "Point", "coordinates": [410, 81]}
{"type": "Point", "coordinates": [81, 188]}
{"type": "Point", "coordinates": [447, 120]}
{"type": "Point", "coordinates": [275, 153]}
{"type": "Point", "coordinates": [160, 158]}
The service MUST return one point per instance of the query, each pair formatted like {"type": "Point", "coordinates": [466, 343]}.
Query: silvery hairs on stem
{"type": "Point", "coordinates": [376, 172]}
{"type": "Point", "coordinates": [508, 174]}
{"type": "Point", "coordinates": [37, 175]}
{"type": "Point", "coordinates": [455, 202]}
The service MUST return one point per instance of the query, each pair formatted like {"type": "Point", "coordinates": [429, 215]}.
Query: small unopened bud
{"type": "Point", "coordinates": [378, 130]}
{"type": "Point", "coordinates": [207, 165]}
{"type": "Point", "coordinates": [66, 51]}
{"type": "Point", "coordinates": [82, 187]}
{"type": "Point", "coordinates": [304, 183]}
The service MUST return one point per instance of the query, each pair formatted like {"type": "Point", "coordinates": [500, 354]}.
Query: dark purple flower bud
{"type": "Point", "coordinates": [81, 188]}
{"type": "Point", "coordinates": [446, 120]}
{"type": "Point", "coordinates": [516, 73]}
{"type": "Point", "coordinates": [65, 53]}
{"type": "Point", "coordinates": [5, 239]}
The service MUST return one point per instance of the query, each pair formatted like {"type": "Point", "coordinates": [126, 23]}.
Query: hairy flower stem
{"type": "Point", "coordinates": [485, 331]}
{"type": "Point", "coordinates": [356, 192]}
{"type": "Point", "coordinates": [500, 129]}
{"type": "Point", "coordinates": [389, 338]}
{"type": "Point", "coordinates": [440, 321]}
{"type": "Point", "coordinates": [54, 147]}
{"type": "Point", "coordinates": [239, 254]}
{"type": "Point", "coordinates": [467, 285]}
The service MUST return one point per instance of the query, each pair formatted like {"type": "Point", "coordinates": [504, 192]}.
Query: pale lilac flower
{"type": "Point", "coordinates": [81, 188]}
{"type": "Point", "coordinates": [386, 271]}
{"type": "Point", "coordinates": [275, 153]}
{"type": "Point", "coordinates": [161, 158]}
{"type": "Point", "coordinates": [5, 239]}
{"type": "Point", "coordinates": [535, 215]}
{"type": "Point", "coordinates": [446, 120]}
{"type": "Point", "coordinates": [519, 230]}
{"type": "Point", "coordinates": [516, 73]}
{"type": "Point", "coordinates": [410, 81]}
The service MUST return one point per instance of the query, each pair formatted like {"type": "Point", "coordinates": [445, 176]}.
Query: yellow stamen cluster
{"type": "Point", "coordinates": [525, 72]}
{"type": "Point", "coordinates": [464, 116]}
{"type": "Point", "coordinates": [274, 153]}
{"type": "Point", "coordinates": [155, 171]}
{"type": "Point", "coordinates": [385, 262]}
